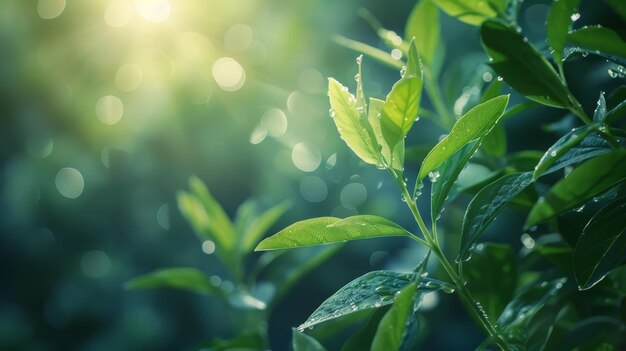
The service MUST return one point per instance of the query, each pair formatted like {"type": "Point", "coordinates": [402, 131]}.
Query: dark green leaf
{"type": "Point", "coordinates": [472, 12]}
{"type": "Point", "coordinates": [598, 38]}
{"type": "Point", "coordinates": [491, 276]}
{"type": "Point", "coordinates": [474, 124]}
{"type": "Point", "coordinates": [303, 342]}
{"type": "Point", "coordinates": [372, 290]}
{"type": "Point", "coordinates": [448, 173]}
{"type": "Point", "coordinates": [602, 245]}
{"type": "Point", "coordinates": [326, 230]}
{"type": "Point", "coordinates": [593, 332]}
{"type": "Point", "coordinates": [522, 66]}
{"type": "Point", "coordinates": [590, 179]}
{"type": "Point", "coordinates": [362, 339]}
{"type": "Point", "coordinates": [351, 126]}
{"type": "Point", "coordinates": [423, 25]}
{"type": "Point", "coordinates": [570, 150]}
{"type": "Point", "coordinates": [559, 24]}
{"type": "Point", "coordinates": [486, 205]}
{"type": "Point", "coordinates": [189, 279]}
{"type": "Point", "coordinates": [391, 329]}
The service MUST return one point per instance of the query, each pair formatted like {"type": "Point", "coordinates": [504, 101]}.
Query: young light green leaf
{"type": "Point", "coordinates": [326, 230]}
{"type": "Point", "coordinates": [486, 205]}
{"type": "Point", "coordinates": [598, 38]}
{"type": "Point", "coordinates": [303, 342]}
{"type": "Point", "coordinates": [423, 25]}
{"type": "Point", "coordinates": [349, 123]}
{"type": "Point", "coordinates": [590, 179]}
{"type": "Point", "coordinates": [402, 103]}
{"type": "Point", "coordinates": [472, 12]}
{"type": "Point", "coordinates": [260, 224]}
{"type": "Point", "coordinates": [189, 279]}
{"type": "Point", "coordinates": [367, 50]}
{"type": "Point", "coordinates": [602, 245]}
{"type": "Point", "coordinates": [413, 63]}
{"type": "Point", "coordinates": [222, 228]}
{"type": "Point", "coordinates": [559, 24]}
{"type": "Point", "coordinates": [372, 290]}
{"type": "Point", "coordinates": [396, 159]}
{"type": "Point", "coordinates": [474, 124]}
{"type": "Point", "coordinates": [491, 276]}
{"type": "Point", "coordinates": [391, 329]}
{"type": "Point", "coordinates": [448, 173]}
{"type": "Point", "coordinates": [522, 66]}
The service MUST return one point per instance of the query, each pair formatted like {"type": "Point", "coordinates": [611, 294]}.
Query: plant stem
{"type": "Point", "coordinates": [466, 297]}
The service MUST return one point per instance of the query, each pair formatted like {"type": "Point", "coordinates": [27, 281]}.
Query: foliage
{"type": "Point", "coordinates": [518, 304]}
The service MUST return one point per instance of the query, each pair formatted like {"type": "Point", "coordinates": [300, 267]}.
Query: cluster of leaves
{"type": "Point", "coordinates": [254, 287]}
{"type": "Point", "coordinates": [565, 289]}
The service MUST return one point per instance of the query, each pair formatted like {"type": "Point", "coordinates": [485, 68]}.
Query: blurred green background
{"type": "Point", "coordinates": [108, 106]}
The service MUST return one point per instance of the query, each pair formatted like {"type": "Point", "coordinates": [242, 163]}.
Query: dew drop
{"type": "Point", "coordinates": [357, 77]}
{"type": "Point", "coordinates": [575, 17]}
{"type": "Point", "coordinates": [359, 59]}
{"type": "Point", "coordinates": [434, 176]}
{"type": "Point", "coordinates": [332, 113]}
{"type": "Point", "coordinates": [612, 73]}
{"type": "Point", "coordinates": [553, 153]}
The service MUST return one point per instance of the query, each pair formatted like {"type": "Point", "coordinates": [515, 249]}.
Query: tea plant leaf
{"type": "Point", "coordinates": [602, 245]}
{"type": "Point", "coordinates": [590, 179]}
{"type": "Point", "coordinates": [491, 276]}
{"type": "Point", "coordinates": [423, 25]}
{"type": "Point", "coordinates": [486, 205]}
{"type": "Point", "coordinates": [599, 114]}
{"type": "Point", "coordinates": [362, 339]}
{"type": "Point", "coordinates": [472, 12]}
{"type": "Point", "coordinates": [189, 279]}
{"type": "Point", "coordinates": [391, 329]}
{"type": "Point", "coordinates": [448, 173]}
{"type": "Point", "coordinates": [522, 66]}
{"type": "Point", "coordinates": [559, 24]}
{"type": "Point", "coordinates": [402, 103]}
{"type": "Point", "coordinates": [396, 159]}
{"type": "Point", "coordinates": [598, 38]}
{"type": "Point", "coordinates": [219, 226]}
{"type": "Point", "coordinates": [326, 230]}
{"type": "Point", "coordinates": [372, 290]}
{"type": "Point", "coordinates": [259, 225]}
{"type": "Point", "coordinates": [517, 314]}
{"type": "Point", "coordinates": [303, 342]}
{"type": "Point", "coordinates": [474, 124]}
{"type": "Point", "coordinates": [558, 151]}
{"type": "Point", "coordinates": [349, 123]}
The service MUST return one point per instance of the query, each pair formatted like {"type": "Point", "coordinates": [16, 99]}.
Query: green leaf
{"type": "Point", "coordinates": [486, 205]}
{"type": "Point", "coordinates": [491, 276]}
{"type": "Point", "coordinates": [303, 342]}
{"type": "Point", "coordinates": [372, 290]}
{"type": "Point", "coordinates": [598, 38]}
{"type": "Point", "coordinates": [402, 103]}
{"type": "Point", "coordinates": [571, 149]}
{"type": "Point", "coordinates": [326, 230]}
{"type": "Point", "coordinates": [189, 279]}
{"type": "Point", "coordinates": [423, 25]}
{"type": "Point", "coordinates": [349, 123]}
{"type": "Point", "coordinates": [259, 225]}
{"type": "Point", "coordinates": [591, 178]}
{"type": "Point", "coordinates": [221, 227]}
{"type": "Point", "coordinates": [599, 114]}
{"type": "Point", "coordinates": [472, 12]}
{"type": "Point", "coordinates": [448, 173]}
{"type": "Point", "coordinates": [474, 124]}
{"type": "Point", "coordinates": [522, 66]}
{"type": "Point", "coordinates": [559, 24]}
{"type": "Point", "coordinates": [515, 319]}
{"type": "Point", "coordinates": [602, 245]}
{"type": "Point", "coordinates": [391, 329]}
{"type": "Point", "coordinates": [395, 160]}
{"type": "Point", "coordinates": [591, 334]}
